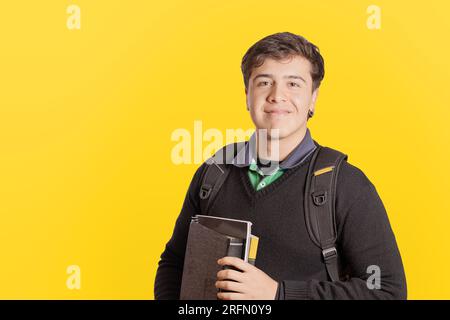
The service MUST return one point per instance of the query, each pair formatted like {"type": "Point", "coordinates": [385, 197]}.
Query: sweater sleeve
{"type": "Point", "coordinates": [366, 244]}
{"type": "Point", "coordinates": [170, 267]}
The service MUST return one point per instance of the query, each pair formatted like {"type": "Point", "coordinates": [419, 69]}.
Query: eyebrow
{"type": "Point", "coordinates": [267, 75]}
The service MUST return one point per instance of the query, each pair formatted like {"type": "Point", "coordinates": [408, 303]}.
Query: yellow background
{"type": "Point", "coordinates": [86, 118]}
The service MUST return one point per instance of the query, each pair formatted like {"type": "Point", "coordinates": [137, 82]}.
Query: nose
{"type": "Point", "coordinates": [276, 94]}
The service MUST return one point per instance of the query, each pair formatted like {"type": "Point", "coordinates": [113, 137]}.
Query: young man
{"type": "Point", "coordinates": [282, 75]}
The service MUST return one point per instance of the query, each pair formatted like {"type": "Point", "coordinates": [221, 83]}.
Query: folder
{"type": "Point", "coordinates": [211, 238]}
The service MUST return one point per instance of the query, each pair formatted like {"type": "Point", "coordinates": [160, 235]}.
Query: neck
{"type": "Point", "coordinates": [285, 146]}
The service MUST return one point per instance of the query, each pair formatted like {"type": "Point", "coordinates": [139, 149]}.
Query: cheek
{"type": "Point", "coordinates": [301, 103]}
{"type": "Point", "coordinates": [255, 102]}
{"type": "Point", "coordinates": [248, 100]}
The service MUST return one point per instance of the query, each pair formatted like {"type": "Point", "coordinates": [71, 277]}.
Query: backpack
{"type": "Point", "coordinates": [319, 197]}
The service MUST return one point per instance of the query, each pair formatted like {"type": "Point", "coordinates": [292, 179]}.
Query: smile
{"type": "Point", "coordinates": [277, 112]}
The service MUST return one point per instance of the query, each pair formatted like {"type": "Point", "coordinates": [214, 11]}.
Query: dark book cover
{"type": "Point", "coordinates": [204, 247]}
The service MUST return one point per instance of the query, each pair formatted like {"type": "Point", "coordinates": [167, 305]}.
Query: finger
{"type": "Point", "coordinates": [230, 275]}
{"type": "Point", "coordinates": [229, 296]}
{"type": "Point", "coordinates": [230, 286]}
{"type": "Point", "coordinates": [235, 262]}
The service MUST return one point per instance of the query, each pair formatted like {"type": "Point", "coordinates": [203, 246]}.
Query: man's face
{"type": "Point", "coordinates": [280, 94]}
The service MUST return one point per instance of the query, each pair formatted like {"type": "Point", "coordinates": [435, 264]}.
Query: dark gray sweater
{"type": "Point", "coordinates": [285, 251]}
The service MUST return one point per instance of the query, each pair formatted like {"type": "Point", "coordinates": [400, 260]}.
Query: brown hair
{"type": "Point", "coordinates": [279, 46]}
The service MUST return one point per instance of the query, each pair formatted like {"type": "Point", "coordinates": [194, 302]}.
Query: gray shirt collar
{"type": "Point", "coordinates": [248, 154]}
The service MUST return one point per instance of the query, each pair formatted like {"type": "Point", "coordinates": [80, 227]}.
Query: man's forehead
{"type": "Point", "coordinates": [292, 66]}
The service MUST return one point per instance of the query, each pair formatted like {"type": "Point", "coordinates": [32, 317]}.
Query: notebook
{"type": "Point", "coordinates": [211, 238]}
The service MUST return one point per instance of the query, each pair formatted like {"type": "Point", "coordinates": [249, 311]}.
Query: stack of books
{"type": "Point", "coordinates": [211, 238]}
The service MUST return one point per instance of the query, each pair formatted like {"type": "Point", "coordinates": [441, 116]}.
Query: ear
{"type": "Point", "coordinates": [314, 99]}
{"type": "Point", "coordinates": [246, 99]}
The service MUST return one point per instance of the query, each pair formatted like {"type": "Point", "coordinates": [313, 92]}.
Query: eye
{"type": "Point", "coordinates": [263, 83]}
{"type": "Point", "coordinates": [294, 84]}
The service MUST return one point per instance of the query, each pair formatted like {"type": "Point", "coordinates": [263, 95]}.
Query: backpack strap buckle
{"type": "Point", "coordinates": [331, 264]}
{"type": "Point", "coordinates": [329, 253]}
{"type": "Point", "coordinates": [205, 191]}
{"type": "Point", "coordinates": [319, 197]}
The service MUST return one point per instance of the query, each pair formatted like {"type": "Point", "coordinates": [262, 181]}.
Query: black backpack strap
{"type": "Point", "coordinates": [215, 174]}
{"type": "Point", "coordinates": [320, 196]}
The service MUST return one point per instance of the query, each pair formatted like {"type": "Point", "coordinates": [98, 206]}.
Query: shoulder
{"type": "Point", "coordinates": [354, 191]}
{"type": "Point", "coordinates": [352, 183]}
{"type": "Point", "coordinates": [350, 177]}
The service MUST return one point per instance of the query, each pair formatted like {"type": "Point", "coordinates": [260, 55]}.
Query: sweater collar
{"type": "Point", "coordinates": [248, 155]}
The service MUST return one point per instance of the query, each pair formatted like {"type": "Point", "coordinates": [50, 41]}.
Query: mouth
{"type": "Point", "coordinates": [277, 112]}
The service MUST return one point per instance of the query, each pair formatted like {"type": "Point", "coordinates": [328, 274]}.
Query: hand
{"type": "Point", "coordinates": [251, 283]}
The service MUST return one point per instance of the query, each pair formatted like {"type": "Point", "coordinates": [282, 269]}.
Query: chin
{"type": "Point", "coordinates": [285, 132]}
{"type": "Point", "coordinates": [282, 133]}
{"type": "Point", "coordinates": [281, 136]}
